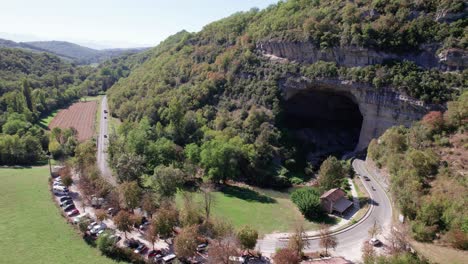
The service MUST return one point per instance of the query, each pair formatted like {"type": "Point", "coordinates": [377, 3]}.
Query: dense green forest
{"type": "Point", "coordinates": [210, 99]}
{"type": "Point", "coordinates": [33, 85]}
{"type": "Point", "coordinates": [427, 167]}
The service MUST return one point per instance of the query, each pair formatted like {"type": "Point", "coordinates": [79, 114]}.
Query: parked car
{"type": "Point", "coordinates": [168, 258]}
{"type": "Point", "coordinates": [65, 198]}
{"type": "Point", "coordinates": [116, 238]}
{"type": "Point", "coordinates": [143, 226]}
{"type": "Point", "coordinates": [375, 242]}
{"type": "Point", "coordinates": [65, 203]}
{"type": "Point", "coordinates": [141, 249]}
{"type": "Point", "coordinates": [111, 211]}
{"type": "Point", "coordinates": [73, 212]}
{"type": "Point", "coordinates": [60, 193]}
{"type": "Point", "coordinates": [60, 188]}
{"type": "Point", "coordinates": [69, 207]}
{"type": "Point", "coordinates": [98, 228]}
{"type": "Point", "coordinates": [153, 253]}
{"type": "Point", "coordinates": [78, 218]}
{"type": "Point", "coordinates": [91, 225]}
{"type": "Point", "coordinates": [131, 243]}
{"type": "Point", "coordinates": [201, 247]}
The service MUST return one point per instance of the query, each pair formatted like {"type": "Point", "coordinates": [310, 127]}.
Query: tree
{"type": "Point", "coordinates": [375, 229]}
{"type": "Point", "coordinates": [398, 239]}
{"type": "Point", "coordinates": [67, 180]}
{"type": "Point", "coordinates": [368, 253]}
{"type": "Point", "coordinates": [331, 174]}
{"type": "Point", "coordinates": [123, 222]}
{"type": "Point", "coordinates": [190, 213]}
{"type": "Point", "coordinates": [166, 180]}
{"type": "Point", "coordinates": [286, 256]}
{"type": "Point", "coordinates": [129, 167]}
{"type": "Point", "coordinates": [185, 244]}
{"type": "Point", "coordinates": [208, 200]}
{"type": "Point", "coordinates": [434, 121]}
{"type": "Point", "coordinates": [308, 202]}
{"type": "Point", "coordinates": [130, 194]}
{"type": "Point", "coordinates": [222, 249]}
{"type": "Point", "coordinates": [298, 240]}
{"type": "Point", "coordinates": [101, 215]}
{"type": "Point", "coordinates": [247, 237]}
{"type": "Point", "coordinates": [165, 220]}
{"type": "Point", "coordinates": [148, 204]}
{"type": "Point", "coordinates": [152, 233]}
{"type": "Point", "coordinates": [105, 243]}
{"type": "Point", "coordinates": [326, 239]}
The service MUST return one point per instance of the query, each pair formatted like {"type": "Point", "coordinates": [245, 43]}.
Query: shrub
{"type": "Point", "coordinates": [286, 256]}
{"type": "Point", "coordinates": [308, 202]}
{"type": "Point", "coordinates": [247, 237]}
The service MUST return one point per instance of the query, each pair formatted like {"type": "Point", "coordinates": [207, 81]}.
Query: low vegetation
{"type": "Point", "coordinates": [428, 182]}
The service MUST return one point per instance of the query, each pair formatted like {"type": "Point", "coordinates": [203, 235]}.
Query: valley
{"type": "Point", "coordinates": [303, 132]}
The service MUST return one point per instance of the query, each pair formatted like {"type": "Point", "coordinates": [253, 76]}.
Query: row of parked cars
{"type": "Point", "coordinates": [65, 200]}
{"type": "Point", "coordinates": [157, 256]}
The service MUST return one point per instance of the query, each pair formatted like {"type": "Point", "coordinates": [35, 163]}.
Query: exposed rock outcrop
{"type": "Point", "coordinates": [306, 52]}
{"type": "Point", "coordinates": [380, 109]}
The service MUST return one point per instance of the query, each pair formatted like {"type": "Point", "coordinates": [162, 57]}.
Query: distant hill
{"type": "Point", "coordinates": [69, 51]}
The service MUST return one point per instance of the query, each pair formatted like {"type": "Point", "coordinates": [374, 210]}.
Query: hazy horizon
{"type": "Point", "coordinates": [113, 24]}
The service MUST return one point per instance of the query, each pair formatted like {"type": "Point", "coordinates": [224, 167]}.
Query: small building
{"type": "Point", "coordinates": [334, 200]}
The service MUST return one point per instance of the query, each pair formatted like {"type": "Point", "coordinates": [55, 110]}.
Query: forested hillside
{"type": "Point", "coordinates": [427, 164]}
{"type": "Point", "coordinates": [212, 100]}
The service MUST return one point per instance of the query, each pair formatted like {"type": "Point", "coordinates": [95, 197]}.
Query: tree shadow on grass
{"type": "Point", "coordinates": [246, 194]}
{"type": "Point", "coordinates": [324, 219]}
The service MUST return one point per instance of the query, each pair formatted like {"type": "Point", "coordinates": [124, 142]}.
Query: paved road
{"type": "Point", "coordinates": [102, 143]}
{"type": "Point", "coordinates": [350, 240]}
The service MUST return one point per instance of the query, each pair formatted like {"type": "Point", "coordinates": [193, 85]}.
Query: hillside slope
{"type": "Point", "coordinates": [70, 51]}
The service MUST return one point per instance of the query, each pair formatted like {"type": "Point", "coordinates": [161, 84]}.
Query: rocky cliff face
{"type": "Point", "coordinates": [306, 52]}
{"type": "Point", "coordinates": [380, 109]}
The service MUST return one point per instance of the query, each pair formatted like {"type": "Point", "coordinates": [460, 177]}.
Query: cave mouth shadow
{"type": "Point", "coordinates": [321, 123]}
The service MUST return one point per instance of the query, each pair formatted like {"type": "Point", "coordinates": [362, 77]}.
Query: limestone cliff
{"type": "Point", "coordinates": [305, 52]}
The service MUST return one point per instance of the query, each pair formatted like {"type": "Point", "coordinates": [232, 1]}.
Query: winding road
{"type": "Point", "coordinates": [350, 239]}
{"type": "Point", "coordinates": [103, 143]}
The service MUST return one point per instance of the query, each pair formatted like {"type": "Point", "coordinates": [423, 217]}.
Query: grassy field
{"type": "Point", "coordinates": [31, 228]}
{"type": "Point", "coordinates": [265, 210]}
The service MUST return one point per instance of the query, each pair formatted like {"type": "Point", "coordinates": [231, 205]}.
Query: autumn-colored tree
{"type": "Point", "coordinates": [375, 229]}
{"type": "Point", "coordinates": [368, 253]}
{"type": "Point", "coordinates": [297, 240]}
{"type": "Point", "coordinates": [148, 204]}
{"type": "Point", "coordinates": [190, 213]}
{"type": "Point", "coordinates": [221, 249]}
{"type": "Point", "coordinates": [101, 214]}
{"type": "Point", "coordinates": [434, 120]}
{"type": "Point", "coordinates": [123, 222]}
{"type": "Point", "coordinates": [247, 237]}
{"type": "Point", "coordinates": [152, 234]}
{"type": "Point", "coordinates": [185, 244]}
{"type": "Point", "coordinates": [286, 256]}
{"type": "Point", "coordinates": [398, 239]}
{"type": "Point", "coordinates": [208, 200]}
{"type": "Point", "coordinates": [130, 194]}
{"type": "Point", "coordinates": [165, 220]}
{"type": "Point", "coordinates": [326, 239]}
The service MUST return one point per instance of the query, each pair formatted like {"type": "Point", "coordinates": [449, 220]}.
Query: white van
{"type": "Point", "coordinates": [169, 258]}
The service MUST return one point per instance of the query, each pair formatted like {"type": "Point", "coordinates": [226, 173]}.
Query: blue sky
{"type": "Point", "coordinates": [112, 23]}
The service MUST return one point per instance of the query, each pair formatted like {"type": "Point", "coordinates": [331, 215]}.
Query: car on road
{"type": "Point", "coordinates": [141, 249]}
{"type": "Point", "coordinates": [73, 212]}
{"type": "Point", "coordinates": [366, 178]}
{"type": "Point", "coordinates": [69, 207]}
{"type": "Point", "coordinates": [65, 198]}
{"type": "Point", "coordinates": [105, 111]}
{"type": "Point", "coordinates": [375, 242]}
{"type": "Point", "coordinates": [105, 117]}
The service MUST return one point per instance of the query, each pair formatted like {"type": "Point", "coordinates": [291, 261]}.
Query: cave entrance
{"type": "Point", "coordinates": [320, 124]}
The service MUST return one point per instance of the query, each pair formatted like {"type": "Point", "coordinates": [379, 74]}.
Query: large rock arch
{"type": "Point", "coordinates": [380, 109]}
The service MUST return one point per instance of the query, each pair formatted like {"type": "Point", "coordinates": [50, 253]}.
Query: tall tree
{"type": "Point", "coordinates": [331, 174]}
{"type": "Point", "coordinates": [222, 249]}
{"type": "Point", "coordinates": [130, 194]}
{"type": "Point", "coordinates": [123, 222]}
{"type": "Point", "coordinates": [326, 239]}
{"type": "Point", "coordinates": [185, 243]}
{"type": "Point", "coordinates": [129, 167]}
{"type": "Point", "coordinates": [27, 94]}
{"type": "Point", "coordinates": [166, 180]}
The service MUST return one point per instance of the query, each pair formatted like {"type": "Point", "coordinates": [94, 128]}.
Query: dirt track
{"type": "Point", "coordinates": [81, 116]}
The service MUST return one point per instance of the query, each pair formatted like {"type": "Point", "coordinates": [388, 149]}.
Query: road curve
{"type": "Point", "coordinates": [102, 143]}
{"type": "Point", "coordinates": [350, 240]}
